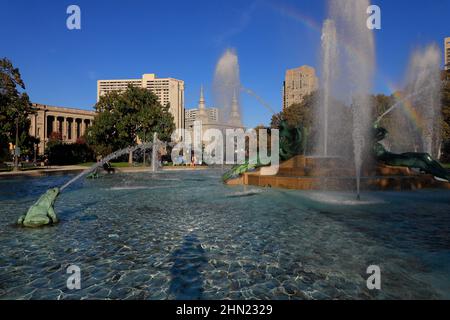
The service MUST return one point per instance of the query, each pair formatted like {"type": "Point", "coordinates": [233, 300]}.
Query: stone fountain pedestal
{"type": "Point", "coordinates": [328, 173]}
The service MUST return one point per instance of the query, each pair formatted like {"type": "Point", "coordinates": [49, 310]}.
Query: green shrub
{"type": "Point", "coordinates": [67, 154]}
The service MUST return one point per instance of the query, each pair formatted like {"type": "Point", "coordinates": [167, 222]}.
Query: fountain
{"type": "Point", "coordinates": [106, 159]}
{"type": "Point", "coordinates": [347, 68]}
{"type": "Point", "coordinates": [356, 59]}
{"type": "Point", "coordinates": [349, 44]}
{"type": "Point", "coordinates": [226, 87]}
{"type": "Point", "coordinates": [323, 110]}
{"type": "Point", "coordinates": [423, 107]}
{"type": "Point", "coordinates": [154, 152]}
{"type": "Point", "coordinates": [42, 212]}
{"type": "Point", "coordinates": [344, 128]}
{"type": "Point", "coordinates": [194, 238]}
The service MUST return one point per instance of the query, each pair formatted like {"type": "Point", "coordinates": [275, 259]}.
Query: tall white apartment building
{"type": "Point", "coordinates": [447, 53]}
{"type": "Point", "coordinates": [168, 90]}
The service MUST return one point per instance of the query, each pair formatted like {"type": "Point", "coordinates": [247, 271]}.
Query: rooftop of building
{"type": "Point", "coordinates": [40, 106]}
{"type": "Point", "coordinates": [301, 68]}
{"type": "Point", "coordinates": [145, 77]}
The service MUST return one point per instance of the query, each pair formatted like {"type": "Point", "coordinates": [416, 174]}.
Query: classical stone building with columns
{"type": "Point", "coordinates": [70, 123]}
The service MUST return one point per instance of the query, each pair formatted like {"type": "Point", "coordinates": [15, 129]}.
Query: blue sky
{"type": "Point", "coordinates": [185, 38]}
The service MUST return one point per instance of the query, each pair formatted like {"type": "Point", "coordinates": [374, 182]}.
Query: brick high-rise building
{"type": "Point", "coordinates": [298, 83]}
{"type": "Point", "coordinates": [447, 53]}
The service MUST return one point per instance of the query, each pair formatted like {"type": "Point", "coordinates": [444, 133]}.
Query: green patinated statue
{"type": "Point", "coordinates": [240, 169]}
{"type": "Point", "coordinates": [293, 140]}
{"type": "Point", "coordinates": [422, 161]}
{"type": "Point", "coordinates": [42, 212]}
{"type": "Point", "coordinates": [292, 143]}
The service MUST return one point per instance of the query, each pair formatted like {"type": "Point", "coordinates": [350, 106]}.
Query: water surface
{"type": "Point", "coordinates": [184, 235]}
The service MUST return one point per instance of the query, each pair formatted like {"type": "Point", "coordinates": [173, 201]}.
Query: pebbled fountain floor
{"type": "Point", "coordinates": [184, 235]}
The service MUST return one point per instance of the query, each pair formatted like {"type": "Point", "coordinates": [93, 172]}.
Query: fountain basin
{"type": "Point", "coordinates": [320, 173]}
{"type": "Point", "coordinates": [184, 234]}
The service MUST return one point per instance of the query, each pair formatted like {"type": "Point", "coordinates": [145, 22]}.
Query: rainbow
{"type": "Point", "coordinates": [406, 103]}
{"type": "Point", "coordinates": [292, 12]}
{"type": "Point", "coordinates": [408, 109]}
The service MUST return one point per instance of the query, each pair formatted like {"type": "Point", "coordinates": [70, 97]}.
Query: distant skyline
{"type": "Point", "coordinates": [184, 40]}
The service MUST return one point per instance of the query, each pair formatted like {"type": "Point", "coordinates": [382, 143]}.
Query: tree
{"type": "Point", "coordinates": [297, 114]}
{"type": "Point", "coordinates": [124, 117]}
{"type": "Point", "coordinates": [301, 114]}
{"type": "Point", "coordinates": [155, 119]}
{"type": "Point", "coordinates": [15, 107]}
{"type": "Point", "coordinates": [276, 120]}
{"type": "Point", "coordinates": [446, 116]}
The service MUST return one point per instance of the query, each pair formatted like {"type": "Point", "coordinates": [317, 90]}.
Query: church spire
{"type": "Point", "coordinates": [201, 102]}
{"type": "Point", "coordinates": [202, 114]}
